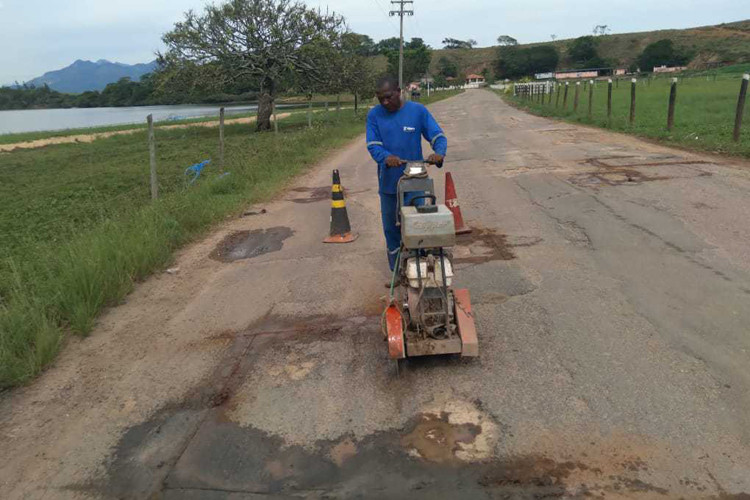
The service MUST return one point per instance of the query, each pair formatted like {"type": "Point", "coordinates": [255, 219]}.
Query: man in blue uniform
{"type": "Point", "coordinates": [394, 136]}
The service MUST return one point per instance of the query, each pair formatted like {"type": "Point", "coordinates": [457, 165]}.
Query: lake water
{"type": "Point", "coordinates": [34, 120]}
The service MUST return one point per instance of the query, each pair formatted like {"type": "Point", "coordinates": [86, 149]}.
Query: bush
{"type": "Point", "coordinates": [661, 53]}
{"type": "Point", "coordinates": [514, 62]}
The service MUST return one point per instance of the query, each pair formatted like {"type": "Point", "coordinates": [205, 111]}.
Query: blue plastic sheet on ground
{"type": "Point", "coordinates": [194, 171]}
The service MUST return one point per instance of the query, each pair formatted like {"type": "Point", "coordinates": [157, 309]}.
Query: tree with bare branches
{"type": "Point", "coordinates": [253, 39]}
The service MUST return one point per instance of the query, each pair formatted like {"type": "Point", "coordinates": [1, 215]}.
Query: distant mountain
{"type": "Point", "coordinates": [86, 75]}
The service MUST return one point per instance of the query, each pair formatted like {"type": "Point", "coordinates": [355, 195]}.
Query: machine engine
{"type": "Point", "coordinates": [426, 315]}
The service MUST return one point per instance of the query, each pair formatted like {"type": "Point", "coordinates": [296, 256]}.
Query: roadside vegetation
{"type": "Point", "coordinates": [704, 111]}
{"type": "Point", "coordinates": [78, 227]}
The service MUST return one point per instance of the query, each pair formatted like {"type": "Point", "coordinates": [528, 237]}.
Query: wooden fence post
{"type": "Point", "coordinates": [672, 98]}
{"type": "Point", "coordinates": [152, 157]}
{"type": "Point", "coordinates": [551, 90]}
{"type": "Point", "coordinates": [575, 98]}
{"type": "Point", "coordinates": [632, 101]}
{"type": "Point", "coordinates": [309, 111]}
{"type": "Point", "coordinates": [338, 103]}
{"type": "Point", "coordinates": [557, 97]}
{"type": "Point", "coordinates": [609, 102]}
{"type": "Point", "coordinates": [565, 97]}
{"type": "Point", "coordinates": [591, 96]}
{"type": "Point", "coordinates": [275, 118]}
{"type": "Point", "coordinates": [221, 139]}
{"type": "Point", "coordinates": [740, 108]}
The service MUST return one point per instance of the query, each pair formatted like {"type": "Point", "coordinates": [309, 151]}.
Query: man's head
{"type": "Point", "coordinates": [388, 93]}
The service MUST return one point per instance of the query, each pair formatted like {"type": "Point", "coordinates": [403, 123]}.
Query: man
{"type": "Point", "coordinates": [394, 136]}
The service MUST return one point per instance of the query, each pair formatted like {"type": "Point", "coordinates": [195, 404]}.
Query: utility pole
{"type": "Point", "coordinates": [400, 13]}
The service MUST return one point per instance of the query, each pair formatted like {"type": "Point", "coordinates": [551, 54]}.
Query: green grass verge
{"type": "Point", "coordinates": [78, 228]}
{"type": "Point", "coordinates": [704, 111]}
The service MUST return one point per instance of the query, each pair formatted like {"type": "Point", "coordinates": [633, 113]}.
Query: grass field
{"type": "Point", "coordinates": [704, 111]}
{"type": "Point", "coordinates": [78, 228]}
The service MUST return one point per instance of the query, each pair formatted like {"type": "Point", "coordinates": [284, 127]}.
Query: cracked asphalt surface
{"type": "Point", "coordinates": [610, 279]}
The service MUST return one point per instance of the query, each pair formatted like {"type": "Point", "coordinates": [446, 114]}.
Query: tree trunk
{"type": "Point", "coordinates": [265, 105]}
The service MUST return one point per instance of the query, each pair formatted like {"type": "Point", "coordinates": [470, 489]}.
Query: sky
{"type": "Point", "coordinates": [43, 35]}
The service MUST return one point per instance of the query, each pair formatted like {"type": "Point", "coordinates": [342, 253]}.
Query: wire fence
{"type": "Point", "coordinates": [51, 194]}
{"type": "Point", "coordinates": [708, 105]}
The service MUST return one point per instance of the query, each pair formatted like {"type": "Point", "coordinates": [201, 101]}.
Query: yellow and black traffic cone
{"type": "Point", "coordinates": [341, 232]}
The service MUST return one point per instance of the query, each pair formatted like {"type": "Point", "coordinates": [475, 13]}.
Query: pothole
{"type": "Point", "coordinates": [250, 244]}
{"type": "Point", "coordinates": [482, 245]}
{"type": "Point", "coordinates": [616, 177]}
{"type": "Point", "coordinates": [313, 194]}
{"type": "Point", "coordinates": [456, 431]}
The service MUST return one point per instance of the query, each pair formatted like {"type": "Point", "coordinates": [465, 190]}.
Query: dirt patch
{"type": "Point", "coordinates": [482, 245]}
{"type": "Point", "coordinates": [250, 213]}
{"type": "Point", "coordinates": [313, 194]}
{"type": "Point", "coordinates": [455, 431]}
{"type": "Point", "coordinates": [704, 206]}
{"type": "Point", "coordinates": [532, 471]}
{"type": "Point", "coordinates": [615, 177]}
{"type": "Point", "coordinates": [343, 451]}
{"type": "Point", "coordinates": [621, 170]}
{"type": "Point", "coordinates": [435, 439]}
{"type": "Point", "coordinates": [249, 244]}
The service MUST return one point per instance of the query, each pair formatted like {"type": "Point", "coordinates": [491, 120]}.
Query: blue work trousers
{"type": "Point", "coordinates": [389, 214]}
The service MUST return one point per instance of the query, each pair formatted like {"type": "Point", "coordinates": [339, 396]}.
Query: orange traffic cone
{"type": "Point", "coordinates": [341, 232]}
{"type": "Point", "coordinates": [452, 201]}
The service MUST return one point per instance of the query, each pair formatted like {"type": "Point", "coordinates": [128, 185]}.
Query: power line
{"type": "Point", "coordinates": [384, 11]}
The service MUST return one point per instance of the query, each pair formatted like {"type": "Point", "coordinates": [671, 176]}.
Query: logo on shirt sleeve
{"type": "Point", "coordinates": [410, 129]}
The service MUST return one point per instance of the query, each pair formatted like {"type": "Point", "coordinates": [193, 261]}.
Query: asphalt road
{"type": "Point", "coordinates": [610, 279]}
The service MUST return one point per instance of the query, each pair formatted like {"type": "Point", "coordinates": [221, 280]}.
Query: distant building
{"type": "Point", "coordinates": [545, 76]}
{"type": "Point", "coordinates": [474, 81]}
{"type": "Point", "coordinates": [578, 74]}
{"type": "Point", "coordinates": [665, 69]}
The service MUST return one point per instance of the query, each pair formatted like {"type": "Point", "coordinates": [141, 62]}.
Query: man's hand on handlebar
{"type": "Point", "coordinates": [436, 159]}
{"type": "Point", "coordinates": [394, 161]}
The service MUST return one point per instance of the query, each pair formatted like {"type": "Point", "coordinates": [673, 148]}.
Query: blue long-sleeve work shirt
{"type": "Point", "coordinates": [400, 134]}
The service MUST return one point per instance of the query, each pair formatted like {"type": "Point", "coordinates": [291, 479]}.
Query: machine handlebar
{"type": "Point", "coordinates": [415, 163]}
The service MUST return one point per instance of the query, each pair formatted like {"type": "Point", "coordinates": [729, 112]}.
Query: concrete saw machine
{"type": "Point", "coordinates": [425, 315]}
